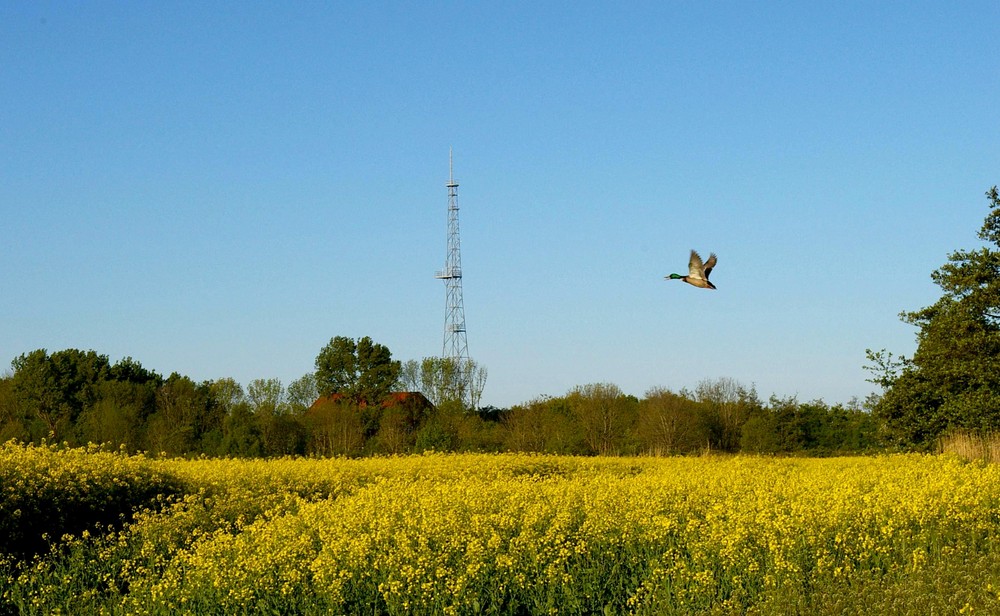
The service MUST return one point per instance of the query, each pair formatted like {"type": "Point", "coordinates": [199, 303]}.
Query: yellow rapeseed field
{"type": "Point", "coordinates": [521, 534]}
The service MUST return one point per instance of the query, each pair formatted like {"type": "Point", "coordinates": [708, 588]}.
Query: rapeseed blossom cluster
{"type": "Point", "coordinates": [53, 490]}
{"type": "Point", "coordinates": [518, 533]}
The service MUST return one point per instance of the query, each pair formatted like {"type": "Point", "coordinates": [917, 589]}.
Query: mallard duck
{"type": "Point", "coordinates": [697, 271]}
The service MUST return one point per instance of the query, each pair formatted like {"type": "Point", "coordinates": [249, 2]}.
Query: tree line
{"type": "Point", "coordinates": [352, 405]}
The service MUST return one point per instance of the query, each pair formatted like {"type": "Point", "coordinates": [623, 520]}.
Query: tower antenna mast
{"type": "Point", "coordinates": [456, 345]}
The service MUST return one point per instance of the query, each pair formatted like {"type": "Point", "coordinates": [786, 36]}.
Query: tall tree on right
{"type": "Point", "coordinates": [953, 379]}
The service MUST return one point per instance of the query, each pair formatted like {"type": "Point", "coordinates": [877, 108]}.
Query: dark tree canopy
{"type": "Point", "coordinates": [54, 389]}
{"type": "Point", "coordinates": [953, 379]}
{"type": "Point", "coordinates": [363, 371]}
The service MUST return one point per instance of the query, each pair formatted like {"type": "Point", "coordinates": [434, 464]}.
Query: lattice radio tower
{"type": "Point", "coordinates": [455, 344]}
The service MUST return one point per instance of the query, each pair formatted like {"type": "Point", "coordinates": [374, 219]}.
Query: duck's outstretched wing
{"type": "Point", "coordinates": [712, 260]}
{"type": "Point", "coordinates": [696, 269]}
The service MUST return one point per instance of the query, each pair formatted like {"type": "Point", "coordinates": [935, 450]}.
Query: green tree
{"type": "Point", "coordinates": [266, 396]}
{"type": "Point", "coordinates": [409, 377]}
{"type": "Point", "coordinates": [606, 416]}
{"type": "Point", "coordinates": [475, 381]}
{"type": "Point", "coordinates": [953, 379]}
{"type": "Point", "coordinates": [760, 433]}
{"type": "Point", "coordinates": [790, 423]}
{"type": "Point", "coordinates": [445, 380]}
{"type": "Point", "coordinates": [845, 429]}
{"type": "Point", "coordinates": [544, 424]}
{"type": "Point", "coordinates": [301, 393]}
{"type": "Point", "coordinates": [670, 423]}
{"type": "Point", "coordinates": [728, 405]}
{"type": "Point", "coordinates": [362, 371]}
{"type": "Point", "coordinates": [335, 428]}
{"type": "Point", "coordinates": [288, 436]}
{"type": "Point", "coordinates": [396, 428]}
{"type": "Point", "coordinates": [13, 424]}
{"type": "Point", "coordinates": [267, 402]}
{"type": "Point", "coordinates": [184, 415]}
{"type": "Point", "coordinates": [118, 415]}
{"type": "Point", "coordinates": [56, 388]}
{"type": "Point", "coordinates": [226, 394]}
{"type": "Point", "coordinates": [131, 371]}
{"type": "Point", "coordinates": [281, 432]}
{"type": "Point", "coordinates": [240, 434]}
{"type": "Point", "coordinates": [525, 426]}
{"type": "Point", "coordinates": [120, 406]}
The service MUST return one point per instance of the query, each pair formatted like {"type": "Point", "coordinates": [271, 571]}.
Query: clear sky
{"type": "Point", "coordinates": [218, 189]}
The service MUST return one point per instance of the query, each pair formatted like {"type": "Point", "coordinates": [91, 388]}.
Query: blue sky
{"type": "Point", "coordinates": [218, 189]}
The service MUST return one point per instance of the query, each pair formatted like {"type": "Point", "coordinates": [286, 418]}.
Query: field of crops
{"type": "Point", "coordinates": [99, 532]}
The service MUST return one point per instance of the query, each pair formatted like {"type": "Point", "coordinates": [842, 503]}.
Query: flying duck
{"type": "Point", "coordinates": [697, 271]}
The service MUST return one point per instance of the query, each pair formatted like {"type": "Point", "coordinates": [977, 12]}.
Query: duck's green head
{"type": "Point", "coordinates": [674, 277]}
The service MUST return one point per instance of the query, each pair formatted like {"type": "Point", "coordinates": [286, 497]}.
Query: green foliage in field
{"type": "Point", "coordinates": [528, 534]}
